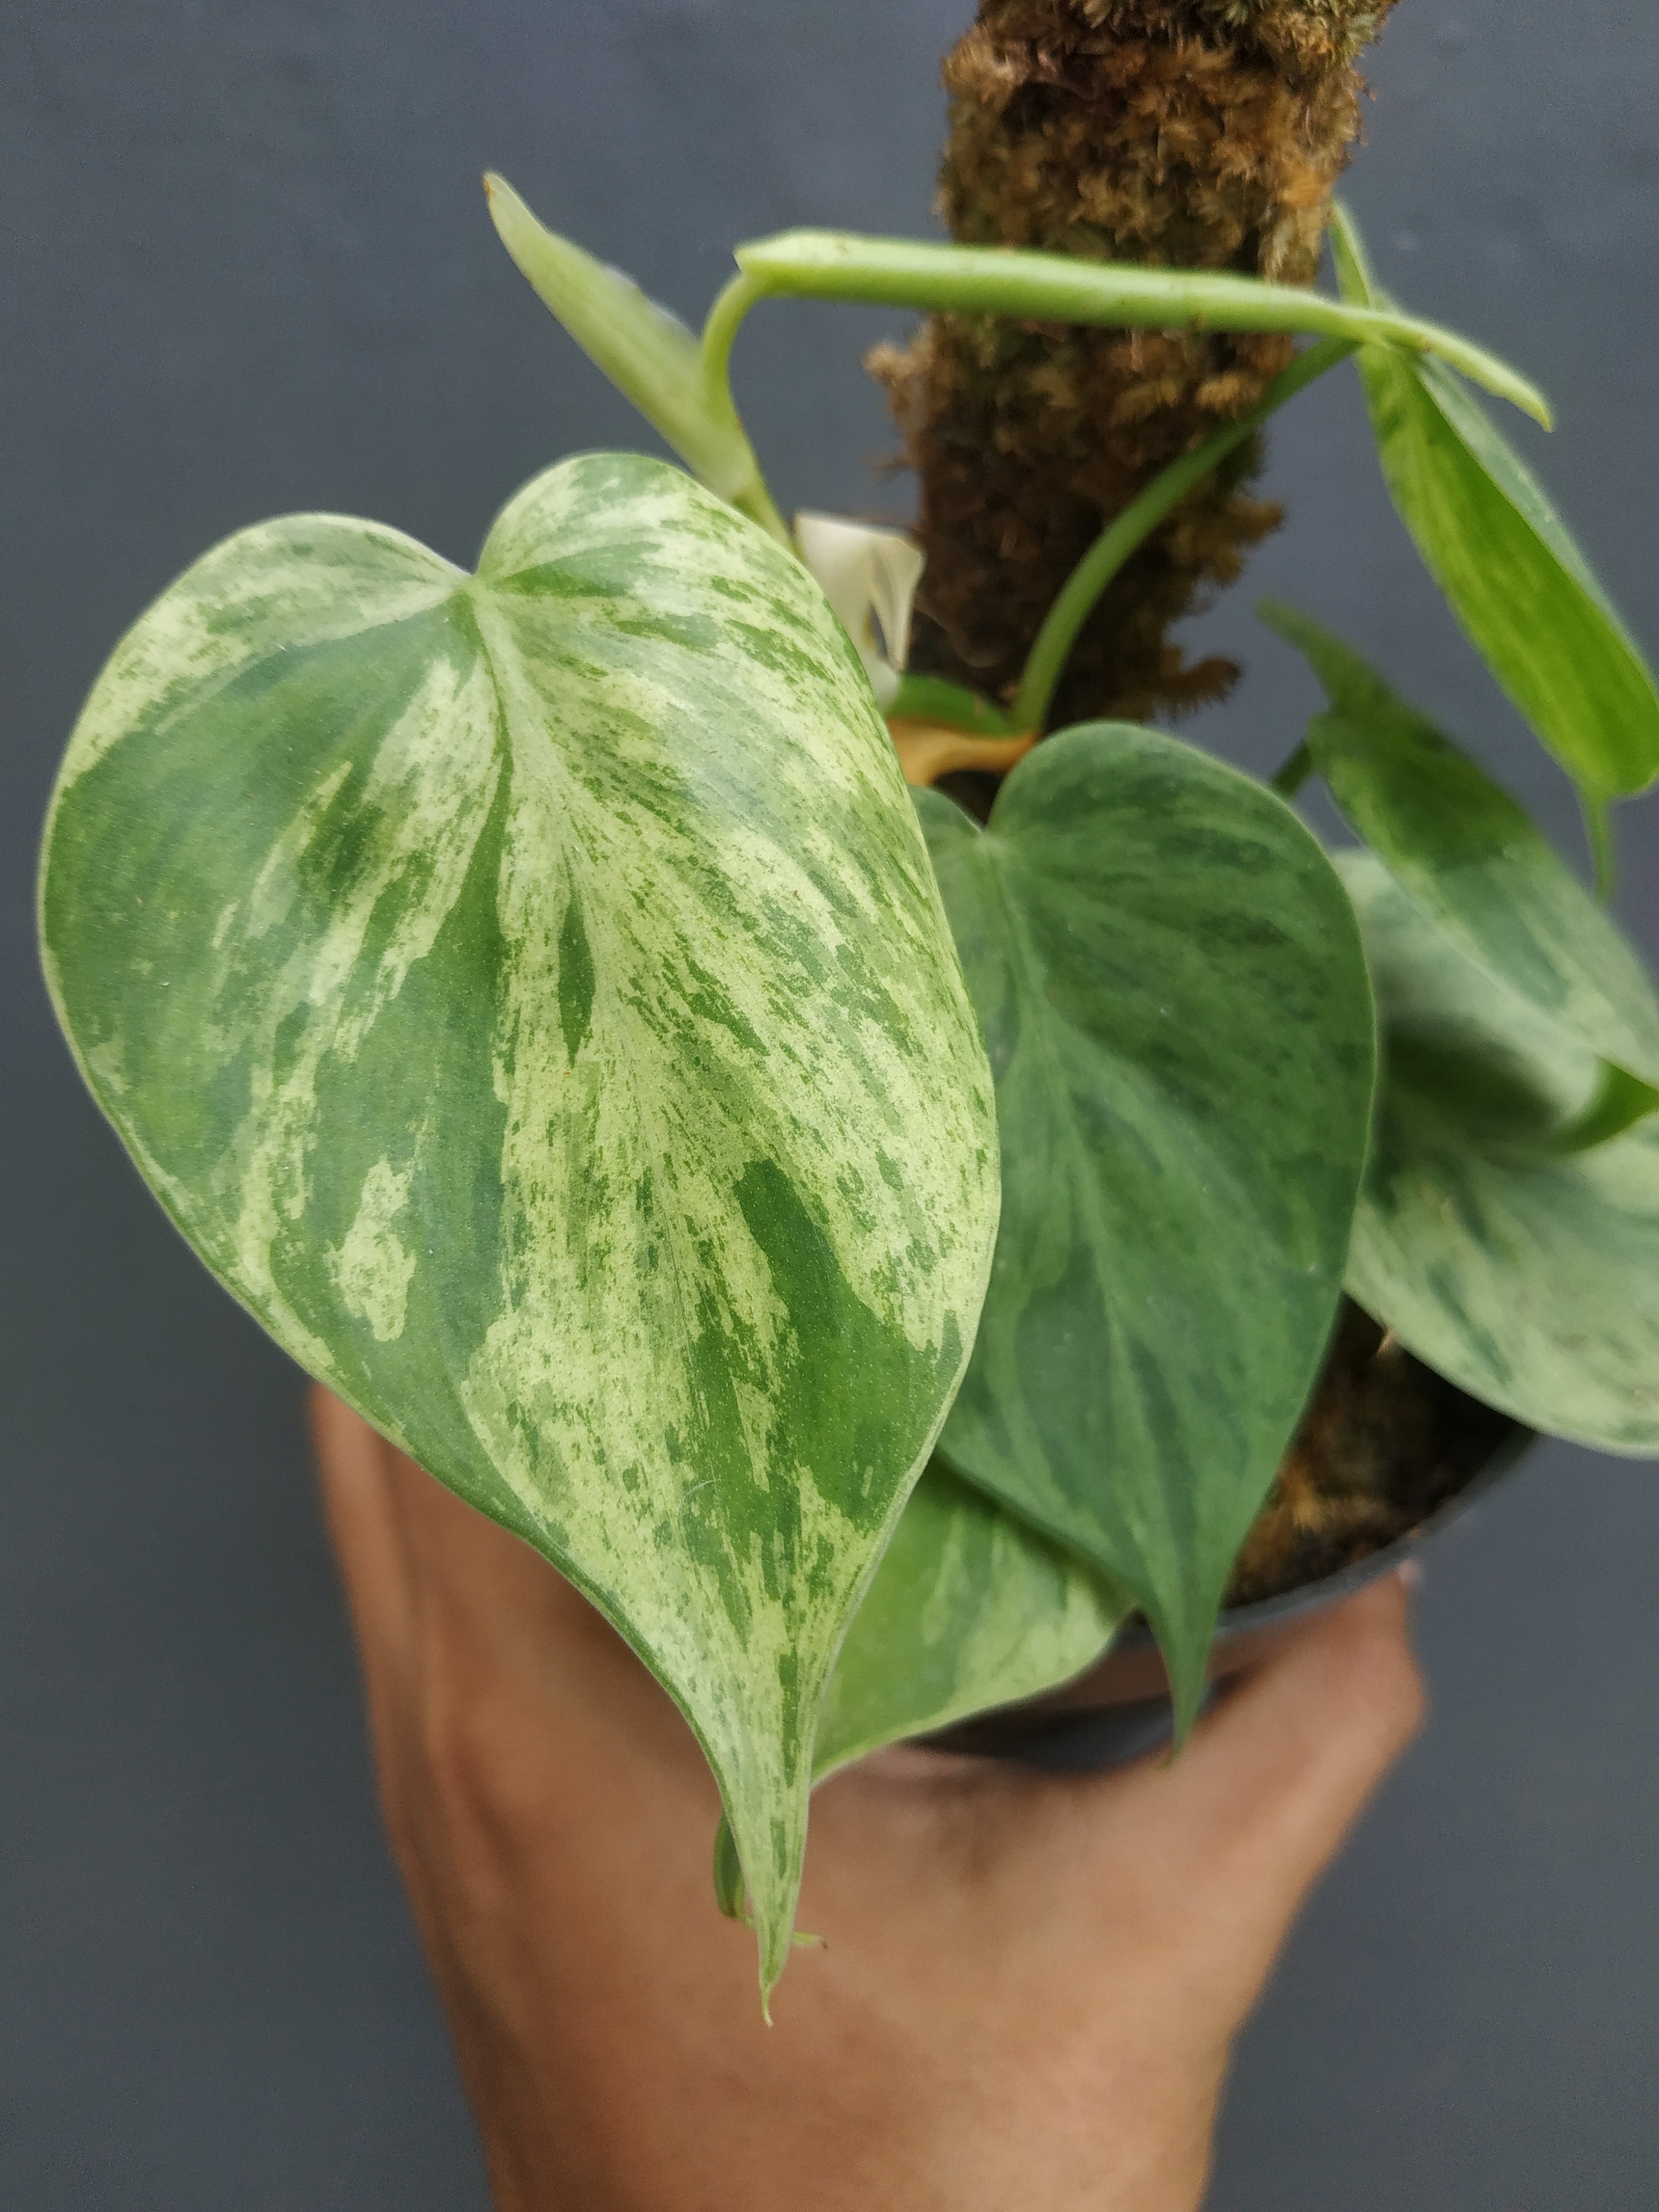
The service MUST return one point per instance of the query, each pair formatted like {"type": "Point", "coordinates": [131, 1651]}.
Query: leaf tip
{"type": "Point", "coordinates": [1189, 1694]}
{"type": "Point", "coordinates": [1183, 1643]}
{"type": "Point", "coordinates": [1276, 616]}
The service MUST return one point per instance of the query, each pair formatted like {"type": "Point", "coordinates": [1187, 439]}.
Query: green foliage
{"type": "Point", "coordinates": [969, 1608]}
{"type": "Point", "coordinates": [1471, 860]}
{"type": "Point", "coordinates": [647, 353]}
{"type": "Point", "coordinates": [1174, 1002]}
{"type": "Point", "coordinates": [1529, 1278]}
{"type": "Point", "coordinates": [930, 699]}
{"type": "Point", "coordinates": [1506, 562]}
{"type": "Point", "coordinates": [528, 992]}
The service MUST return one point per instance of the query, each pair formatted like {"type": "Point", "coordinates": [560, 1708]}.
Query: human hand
{"type": "Point", "coordinates": [1028, 1983]}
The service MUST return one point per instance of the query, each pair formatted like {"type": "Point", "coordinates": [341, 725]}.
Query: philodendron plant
{"type": "Point", "coordinates": [871, 1255]}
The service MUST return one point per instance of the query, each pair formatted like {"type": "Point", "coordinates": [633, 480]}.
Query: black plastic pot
{"type": "Point", "coordinates": [1120, 1709]}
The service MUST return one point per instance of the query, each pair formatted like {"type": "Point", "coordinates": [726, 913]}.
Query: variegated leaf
{"type": "Point", "coordinates": [1475, 865]}
{"type": "Point", "coordinates": [970, 1607]}
{"type": "Point", "coordinates": [1510, 569]}
{"type": "Point", "coordinates": [1528, 1278]}
{"type": "Point", "coordinates": [529, 993]}
{"type": "Point", "coordinates": [1172, 989]}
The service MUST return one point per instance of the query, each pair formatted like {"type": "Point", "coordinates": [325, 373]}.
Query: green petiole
{"type": "Point", "coordinates": [1128, 530]}
{"type": "Point", "coordinates": [678, 383]}
{"type": "Point", "coordinates": [898, 272]}
{"type": "Point", "coordinates": [1598, 829]}
{"type": "Point", "coordinates": [1289, 778]}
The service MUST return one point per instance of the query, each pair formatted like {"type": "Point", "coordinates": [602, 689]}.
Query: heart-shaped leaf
{"type": "Point", "coordinates": [1530, 1278]}
{"type": "Point", "coordinates": [529, 993]}
{"type": "Point", "coordinates": [1172, 990]}
{"type": "Point", "coordinates": [1472, 862]}
{"type": "Point", "coordinates": [970, 1607]}
{"type": "Point", "coordinates": [1514, 578]}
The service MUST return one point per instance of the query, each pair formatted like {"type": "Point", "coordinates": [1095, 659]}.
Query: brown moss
{"type": "Point", "coordinates": [1384, 1443]}
{"type": "Point", "coordinates": [1200, 133]}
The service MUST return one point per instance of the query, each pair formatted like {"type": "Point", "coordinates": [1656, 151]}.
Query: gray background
{"type": "Point", "coordinates": [245, 268]}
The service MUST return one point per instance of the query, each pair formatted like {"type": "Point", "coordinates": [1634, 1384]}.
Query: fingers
{"type": "Point", "coordinates": [1241, 1824]}
{"type": "Point", "coordinates": [452, 1608]}
{"type": "Point", "coordinates": [1301, 1745]}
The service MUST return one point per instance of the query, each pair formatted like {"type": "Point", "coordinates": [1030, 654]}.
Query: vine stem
{"type": "Point", "coordinates": [1289, 779]}
{"type": "Point", "coordinates": [731, 304]}
{"type": "Point", "coordinates": [1598, 828]}
{"type": "Point", "coordinates": [1081, 592]}
{"type": "Point", "coordinates": [1056, 287]}
{"type": "Point", "coordinates": [901, 272]}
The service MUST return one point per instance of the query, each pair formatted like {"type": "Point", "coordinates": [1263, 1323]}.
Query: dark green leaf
{"type": "Point", "coordinates": [1620, 1103]}
{"type": "Point", "coordinates": [1515, 579]}
{"type": "Point", "coordinates": [1531, 1279]}
{"type": "Point", "coordinates": [1471, 859]}
{"type": "Point", "coordinates": [729, 1893]}
{"type": "Point", "coordinates": [529, 993]}
{"type": "Point", "coordinates": [1172, 990]}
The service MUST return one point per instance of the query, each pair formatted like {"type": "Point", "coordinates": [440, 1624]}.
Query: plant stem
{"type": "Point", "coordinates": [1093, 574]}
{"type": "Point", "coordinates": [719, 327]}
{"type": "Point", "coordinates": [731, 303]}
{"type": "Point", "coordinates": [754, 500]}
{"type": "Point", "coordinates": [1598, 828]}
{"type": "Point", "coordinates": [901, 272]}
{"type": "Point", "coordinates": [1289, 780]}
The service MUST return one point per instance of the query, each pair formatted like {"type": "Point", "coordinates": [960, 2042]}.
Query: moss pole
{"type": "Point", "coordinates": [1198, 133]}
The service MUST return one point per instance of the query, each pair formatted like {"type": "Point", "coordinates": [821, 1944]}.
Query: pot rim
{"type": "Point", "coordinates": [1306, 1597]}
{"type": "Point", "coordinates": [1084, 1724]}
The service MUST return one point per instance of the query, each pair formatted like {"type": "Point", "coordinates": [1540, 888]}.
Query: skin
{"type": "Point", "coordinates": [1027, 1984]}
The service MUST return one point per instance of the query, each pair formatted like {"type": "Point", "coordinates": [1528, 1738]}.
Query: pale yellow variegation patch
{"type": "Point", "coordinates": [371, 1265]}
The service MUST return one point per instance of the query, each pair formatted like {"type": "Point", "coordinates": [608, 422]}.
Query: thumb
{"type": "Point", "coordinates": [1248, 1816]}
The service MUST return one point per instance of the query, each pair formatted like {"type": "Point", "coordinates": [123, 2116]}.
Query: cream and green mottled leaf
{"type": "Point", "coordinates": [1471, 859]}
{"type": "Point", "coordinates": [1171, 986]}
{"type": "Point", "coordinates": [970, 1607]}
{"type": "Point", "coordinates": [1510, 569]}
{"type": "Point", "coordinates": [1528, 1278]}
{"type": "Point", "coordinates": [529, 993]}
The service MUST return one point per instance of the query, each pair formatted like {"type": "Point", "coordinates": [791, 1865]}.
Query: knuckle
{"type": "Point", "coordinates": [1380, 1680]}
{"type": "Point", "coordinates": [455, 1729]}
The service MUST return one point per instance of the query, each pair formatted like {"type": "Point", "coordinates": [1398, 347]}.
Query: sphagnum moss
{"type": "Point", "coordinates": [1196, 133]}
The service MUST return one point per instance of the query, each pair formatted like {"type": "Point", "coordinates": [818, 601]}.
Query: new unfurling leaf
{"type": "Point", "coordinates": [1507, 563]}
